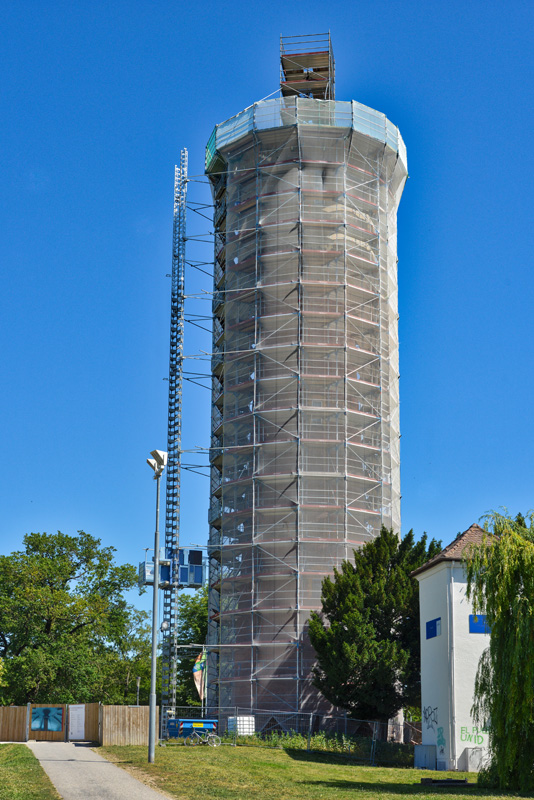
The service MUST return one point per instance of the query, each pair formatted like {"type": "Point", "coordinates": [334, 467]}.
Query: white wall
{"type": "Point", "coordinates": [468, 647]}
{"type": "Point", "coordinates": [435, 665]}
{"type": "Point", "coordinates": [448, 666]}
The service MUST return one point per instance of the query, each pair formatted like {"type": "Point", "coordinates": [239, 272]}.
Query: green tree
{"type": "Point", "coordinates": [367, 636]}
{"type": "Point", "coordinates": [64, 621]}
{"type": "Point", "coordinates": [500, 575]}
{"type": "Point", "coordinates": [127, 657]}
{"type": "Point", "coordinates": [192, 629]}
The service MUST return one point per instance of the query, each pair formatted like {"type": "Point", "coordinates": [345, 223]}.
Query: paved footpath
{"type": "Point", "coordinates": [79, 773]}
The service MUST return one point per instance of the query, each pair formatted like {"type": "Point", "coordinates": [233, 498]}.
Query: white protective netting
{"type": "Point", "coordinates": [305, 422]}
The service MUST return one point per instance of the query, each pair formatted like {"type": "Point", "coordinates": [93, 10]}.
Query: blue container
{"type": "Point", "coordinates": [184, 727]}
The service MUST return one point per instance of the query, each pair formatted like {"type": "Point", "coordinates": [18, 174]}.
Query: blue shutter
{"type": "Point", "coordinates": [433, 628]}
{"type": "Point", "coordinates": [478, 624]}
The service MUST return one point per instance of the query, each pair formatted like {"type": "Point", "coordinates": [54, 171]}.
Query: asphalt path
{"type": "Point", "coordinates": [79, 773]}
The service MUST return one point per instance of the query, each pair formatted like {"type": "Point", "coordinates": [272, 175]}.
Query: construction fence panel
{"type": "Point", "coordinates": [369, 742]}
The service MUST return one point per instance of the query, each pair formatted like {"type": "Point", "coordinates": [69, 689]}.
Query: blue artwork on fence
{"type": "Point", "coordinates": [47, 719]}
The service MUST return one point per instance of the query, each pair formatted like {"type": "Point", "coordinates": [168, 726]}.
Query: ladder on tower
{"type": "Point", "coordinates": [174, 438]}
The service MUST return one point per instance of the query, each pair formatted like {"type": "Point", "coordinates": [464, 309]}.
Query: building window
{"type": "Point", "coordinates": [433, 628]}
{"type": "Point", "coordinates": [478, 624]}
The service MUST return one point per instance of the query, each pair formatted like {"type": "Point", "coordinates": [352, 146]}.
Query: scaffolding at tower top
{"type": "Point", "coordinates": [307, 66]}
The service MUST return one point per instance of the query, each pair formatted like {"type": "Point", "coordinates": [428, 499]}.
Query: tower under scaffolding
{"type": "Point", "coordinates": [174, 438]}
{"type": "Point", "coordinates": [305, 405]}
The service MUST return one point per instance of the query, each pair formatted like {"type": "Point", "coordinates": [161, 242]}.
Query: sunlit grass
{"type": "Point", "coordinates": [240, 773]}
{"type": "Point", "coordinates": [21, 775]}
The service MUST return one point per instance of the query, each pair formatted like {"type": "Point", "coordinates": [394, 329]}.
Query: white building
{"type": "Point", "coordinates": [452, 641]}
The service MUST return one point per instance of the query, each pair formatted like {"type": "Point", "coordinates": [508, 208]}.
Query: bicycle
{"type": "Point", "coordinates": [208, 738]}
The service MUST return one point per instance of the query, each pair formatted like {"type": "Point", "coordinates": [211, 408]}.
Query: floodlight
{"type": "Point", "coordinates": [160, 457]}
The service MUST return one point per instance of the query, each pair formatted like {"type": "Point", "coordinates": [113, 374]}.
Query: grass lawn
{"type": "Point", "coordinates": [21, 775]}
{"type": "Point", "coordinates": [241, 773]}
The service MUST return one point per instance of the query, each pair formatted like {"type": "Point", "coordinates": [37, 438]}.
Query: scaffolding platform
{"type": "Point", "coordinates": [307, 66]}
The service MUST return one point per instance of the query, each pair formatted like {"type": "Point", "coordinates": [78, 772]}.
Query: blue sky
{"type": "Point", "coordinates": [97, 100]}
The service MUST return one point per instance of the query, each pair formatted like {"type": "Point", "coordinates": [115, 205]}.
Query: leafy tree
{"type": "Point", "coordinates": [126, 658]}
{"type": "Point", "coordinates": [367, 636]}
{"type": "Point", "coordinates": [192, 629]}
{"type": "Point", "coordinates": [66, 632]}
{"type": "Point", "coordinates": [500, 575]}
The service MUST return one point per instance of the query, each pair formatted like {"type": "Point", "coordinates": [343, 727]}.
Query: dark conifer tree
{"type": "Point", "coordinates": [367, 636]}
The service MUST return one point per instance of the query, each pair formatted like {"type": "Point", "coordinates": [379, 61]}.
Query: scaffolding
{"type": "Point", "coordinates": [169, 654]}
{"type": "Point", "coordinates": [307, 66]}
{"type": "Point", "coordinates": [305, 407]}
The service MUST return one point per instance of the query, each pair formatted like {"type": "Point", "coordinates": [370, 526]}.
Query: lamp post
{"type": "Point", "coordinates": [158, 462]}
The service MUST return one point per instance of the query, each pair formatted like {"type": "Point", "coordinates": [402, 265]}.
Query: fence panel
{"type": "Point", "coordinates": [13, 723]}
{"type": "Point", "coordinates": [91, 722]}
{"type": "Point", "coordinates": [367, 742]}
{"type": "Point", "coordinates": [124, 725]}
{"type": "Point", "coordinates": [47, 722]}
{"type": "Point", "coordinates": [312, 732]}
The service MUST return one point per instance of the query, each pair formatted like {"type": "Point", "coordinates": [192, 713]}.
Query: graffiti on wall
{"type": "Point", "coordinates": [430, 716]}
{"type": "Point", "coordinates": [475, 735]}
{"type": "Point", "coordinates": [441, 742]}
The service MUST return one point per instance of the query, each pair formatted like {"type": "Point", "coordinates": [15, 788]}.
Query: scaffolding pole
{"type": "Point", "coordinates": [174, 437]}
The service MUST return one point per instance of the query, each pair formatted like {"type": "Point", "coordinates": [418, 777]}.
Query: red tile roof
{"type": "Point", "coordinates": [455, 550]}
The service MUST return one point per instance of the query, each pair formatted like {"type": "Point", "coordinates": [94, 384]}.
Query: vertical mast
{"type": "Point", "coordinates": [174, 436]}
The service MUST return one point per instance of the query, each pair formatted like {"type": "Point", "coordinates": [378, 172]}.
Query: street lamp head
{"type": "Point", "coordinates": [153, 464]}
{"type": "Point", "coordinates": [160, 457]}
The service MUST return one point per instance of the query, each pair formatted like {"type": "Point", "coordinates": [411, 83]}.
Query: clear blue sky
{"type": "Point", "coordinates": [98, 98]}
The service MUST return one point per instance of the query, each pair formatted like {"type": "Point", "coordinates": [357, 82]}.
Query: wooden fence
{"type": "Point", "coordinates": [41, 729]}
{"type": "Point", "coordinates": [122, 725]}
{"type": "Point", "coordinates": [92, 722]}
{"type": "Point", "coordinates": [13, 723]}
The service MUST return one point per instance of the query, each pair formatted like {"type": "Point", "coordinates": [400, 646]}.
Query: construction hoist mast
{"type": "Point", "coordinates": [174, 438]}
